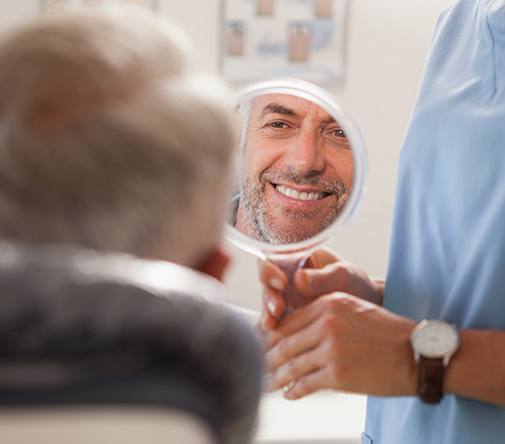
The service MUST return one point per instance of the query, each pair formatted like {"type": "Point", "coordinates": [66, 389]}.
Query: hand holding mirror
{"type": "Point", "coordinates": [301, 168]}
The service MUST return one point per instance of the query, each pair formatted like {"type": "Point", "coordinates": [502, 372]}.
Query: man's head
{"type": "Point", "coordinates": [109, 140]}
{"type": "Point", "coordinates": [297, 169]}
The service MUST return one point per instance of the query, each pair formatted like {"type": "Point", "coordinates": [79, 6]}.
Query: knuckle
{"type": "Point", "coordinates": [343, 276]}
{"type": "Point", "coordinates": [330, 324]}
{"type": "Point", "coordinates": [340, 270]}
{"type": "Point", "coordinates": [333, 348]}
{"type": "Point", "coordinates": [340, 373]}
{"type": "Point", "coordinates": [332, 305]}
{"type": "Point", "coordinates": [348, 305]}
{"type": "Point", "coordinates": [340, 303]}
{"type": "Point", "coordinates": [290, 369]}
{"type": "Point", "coordinates": [336, 374]}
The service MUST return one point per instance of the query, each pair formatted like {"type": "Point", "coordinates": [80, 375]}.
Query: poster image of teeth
{"type": "Point", "coordinates": [52, 5]}
{"type": "Point", "coordinates": [295, 38]}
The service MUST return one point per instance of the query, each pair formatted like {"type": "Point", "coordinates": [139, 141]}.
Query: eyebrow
{"type": "Point", "coordinates": [276, 108]}
{"type": "Point", "coordinates": [329, 120]}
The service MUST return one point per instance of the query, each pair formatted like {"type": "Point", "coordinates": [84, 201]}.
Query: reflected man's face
{"type": "Point", "coordinates": [297, 172]}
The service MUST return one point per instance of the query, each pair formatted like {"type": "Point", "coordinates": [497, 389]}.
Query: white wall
{"type": "Point", "coordinates": [387, 46]}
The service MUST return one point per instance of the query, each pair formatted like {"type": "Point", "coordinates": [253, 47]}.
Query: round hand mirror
{"type": "Point", "coordinates": [301, 170]}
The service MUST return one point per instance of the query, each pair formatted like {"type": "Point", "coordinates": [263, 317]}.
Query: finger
{"type": "Point", "coordinates": [317, 380]}
{"type": "Point", "coordinates": [297, 344]}
{"type": "Point", "coordinates": [272, 309]}
{"type": "Point", "coordinates": [293, 322]}
{"type": "Point", "coordinates": [312, 283]}
{"type": "Point", "coordinates": [321, 258]}
{"type": "Point", "coordinates": [272, 276]}
{"type": "Point", "coordinates": [273, 303]}
{"type": "Point", "coordinates": [267, 322]}
{"type": "Point", "coordinates": [296, 368]}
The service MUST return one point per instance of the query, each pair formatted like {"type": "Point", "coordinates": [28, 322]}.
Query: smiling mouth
{"type": "Point", "coordinates": [300, 195]}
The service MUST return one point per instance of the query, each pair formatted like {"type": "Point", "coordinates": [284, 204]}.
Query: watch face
{"type": "Point", "coordinates": [435, 339]}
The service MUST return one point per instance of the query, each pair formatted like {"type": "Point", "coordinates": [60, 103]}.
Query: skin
{"type": "Point", "coordinates": [294, 143]}
{"type": "Point", "coordinates": [344, 340]}
{"type": "Point", "coordinates": [214, 264]}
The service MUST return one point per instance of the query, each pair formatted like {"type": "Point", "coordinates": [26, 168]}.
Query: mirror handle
{"type": "Point", "coordinates": [289, 265]}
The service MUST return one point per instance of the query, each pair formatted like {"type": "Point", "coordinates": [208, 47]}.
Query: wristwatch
{"type": "Point", "coordinates": [434, 343]}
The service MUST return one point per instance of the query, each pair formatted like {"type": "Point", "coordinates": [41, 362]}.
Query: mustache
{"type": "Point", "coordinates": [315, 179]}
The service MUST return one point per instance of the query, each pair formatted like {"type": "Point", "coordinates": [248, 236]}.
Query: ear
{"type": "Point", "coordinates": [215, 264]}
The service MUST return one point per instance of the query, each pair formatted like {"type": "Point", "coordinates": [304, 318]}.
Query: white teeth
{"type": "Point", "coordinates": [314, 195]}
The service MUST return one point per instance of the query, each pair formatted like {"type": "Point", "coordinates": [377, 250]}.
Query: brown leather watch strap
{"type": "Point", "coordinates": [430, 379]}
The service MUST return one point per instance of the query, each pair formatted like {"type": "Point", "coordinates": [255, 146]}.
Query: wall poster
{"type": "Point", "coordinates": [48, 5]}
{"type": "Point", "coordinates": [295, 38]}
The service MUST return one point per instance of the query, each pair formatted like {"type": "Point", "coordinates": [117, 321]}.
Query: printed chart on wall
{"type": "Point", "coordinates": [50, 5]}
{"type": "Point", "coordinates": [297, 38]}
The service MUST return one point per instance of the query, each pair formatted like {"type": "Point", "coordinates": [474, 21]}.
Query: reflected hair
{"type": "Point", "coordinates": [109, 139]}
{"type": "Point", "coordinates": [244, 110]}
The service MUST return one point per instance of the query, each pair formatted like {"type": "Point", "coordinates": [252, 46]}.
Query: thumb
{"type": "Point", "coordinates": [322, 257]}
{"type": "Point", "coordinates": [314, 282]}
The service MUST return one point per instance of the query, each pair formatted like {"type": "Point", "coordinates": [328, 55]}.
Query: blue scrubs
{"type": "Point", "coordinates": [447, 256]}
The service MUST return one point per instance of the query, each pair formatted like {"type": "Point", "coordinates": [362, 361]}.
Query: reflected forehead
{"type": "Point", "coordinates": [287, 105]}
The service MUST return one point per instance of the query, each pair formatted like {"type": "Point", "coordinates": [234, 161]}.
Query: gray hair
{"type": "Point", "coordinates": [109, 139]}
{"type": "Point", "coordinates": [244, 110]}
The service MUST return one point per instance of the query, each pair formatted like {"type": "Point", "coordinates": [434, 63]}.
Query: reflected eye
{"type": "Point", "coordinates": [337, 132]}
{"type": "Point", "coordinates": [278, 124]}
{"type": "Point", "coordinates": [337, 136]}
{"type": "Point", "coordinates": [278, 128]}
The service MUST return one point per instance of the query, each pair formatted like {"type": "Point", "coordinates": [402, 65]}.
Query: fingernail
{"type": "Point", "coordinates": [288, 387]}
{"type": "Point", "coordinates": [277, 284]}
{"type": "Point", "coordinates": [290, 395]}
{"type": "Point", "coordinates": [271, 307]}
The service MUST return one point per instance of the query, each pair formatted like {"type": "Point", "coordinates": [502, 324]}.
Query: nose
{"type": "Point", "coordinates": [305, 153]}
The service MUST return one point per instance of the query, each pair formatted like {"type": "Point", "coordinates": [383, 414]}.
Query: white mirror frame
{"type": "Point", "coordinates": [315, 94]}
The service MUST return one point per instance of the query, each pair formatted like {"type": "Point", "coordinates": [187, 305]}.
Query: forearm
{"type": "Point", "coordinates": [477, 370]}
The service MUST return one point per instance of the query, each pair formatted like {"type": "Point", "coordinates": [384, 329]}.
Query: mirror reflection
{"type": "Point", "coordinates": [296, 169]}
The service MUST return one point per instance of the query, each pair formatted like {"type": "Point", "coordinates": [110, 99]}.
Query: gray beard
{"type": "Point", "coordinates": [251, 196]}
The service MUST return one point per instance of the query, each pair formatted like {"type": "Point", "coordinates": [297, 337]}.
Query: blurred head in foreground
{"type": "Point", "coordinates": [110, 140]}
